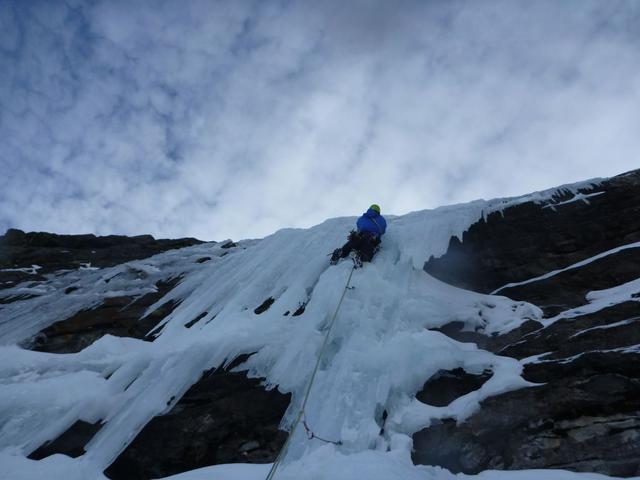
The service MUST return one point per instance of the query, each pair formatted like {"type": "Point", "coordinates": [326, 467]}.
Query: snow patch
{"type": "Point", "coordinates": [584, 197]}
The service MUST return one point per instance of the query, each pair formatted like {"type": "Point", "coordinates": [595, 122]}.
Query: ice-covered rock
{"type": "Point", "coordinates": [254, 313]}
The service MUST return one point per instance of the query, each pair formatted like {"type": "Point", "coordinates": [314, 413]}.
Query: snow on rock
{"type": "Point", "coordinates": [52, 301]}
{"type": "Point", "coordinates": [584, 197]}
{"type": "Point", "coordinates": [601, 299]}
{"type": "Point", "coordinates": [582, 263]}
{"type": "Point", "coordinates": [33, 270]}
{"type": "Point", "coordinates": [380, 353]}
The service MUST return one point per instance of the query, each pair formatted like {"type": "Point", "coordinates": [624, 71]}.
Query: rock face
{"type": "Point", "coordinates": [118, 316]}
{"type": "Point", "coordinates": [19, 251]}
{"type": "Point", "coordinates": [585, 413]}
{"type": "Point", "coordinates": [30, 256]}
{"type": "Point", "coordinates": [224, 418]}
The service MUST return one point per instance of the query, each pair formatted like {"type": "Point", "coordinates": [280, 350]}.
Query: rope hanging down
{"type": "Point", "coordinates": [311, 434]}
{"type": "Point", "coordinates": [301, 412]}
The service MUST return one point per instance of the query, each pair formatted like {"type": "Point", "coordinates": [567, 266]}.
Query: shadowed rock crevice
{"type": "Point", "coordinates": [448, 385]}
{"type": "Point", "coordinates": [191, 323]}
{"type": "Point", "coordinates": [70, 443]}
{"type": "Point", "coordinates": [300, 310]}
{"type": "Point", "coordinates": [264, 306]}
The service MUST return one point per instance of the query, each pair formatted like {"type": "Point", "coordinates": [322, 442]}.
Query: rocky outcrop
{"type": "Point", "coordinates": [224, 418]}
{"type": "Point", "coordinates": [29, 257]}
{"type": "Point", "coordinates": [532, 239]}
{"type": "Point", "coordinates": [585, 417]}
{"type": "Point", "coordinates": [444, 387]}
{"type": "Point", "coordinates": [584, 414]}
{"type": "Point", "coordinates": [118, 316]}
{"type": "Point", "coordinates": [70, 443]}
{"type": "Point", "coordinates": [48, 252]}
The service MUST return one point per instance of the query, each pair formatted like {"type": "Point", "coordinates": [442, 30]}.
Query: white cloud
{"type": "Point", "coordinates": [233, 119]}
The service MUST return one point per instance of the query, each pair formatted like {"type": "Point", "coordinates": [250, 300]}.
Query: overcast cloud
{"type": "Point", "coordinates": [236, 118]}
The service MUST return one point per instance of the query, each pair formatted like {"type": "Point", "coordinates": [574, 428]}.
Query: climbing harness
{"type": "Point", "coordinates": [301, 413]}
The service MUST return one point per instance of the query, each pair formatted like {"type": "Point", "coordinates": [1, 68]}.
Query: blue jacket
{"type": "Point", "coordinates": [372, 222]}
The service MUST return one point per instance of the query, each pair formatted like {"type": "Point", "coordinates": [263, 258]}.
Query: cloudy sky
{"type": "Point", "coordinates": [236, 118]}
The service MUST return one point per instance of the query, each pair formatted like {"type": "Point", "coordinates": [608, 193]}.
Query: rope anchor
{"type": "Point", "coordinates": [311, 435]}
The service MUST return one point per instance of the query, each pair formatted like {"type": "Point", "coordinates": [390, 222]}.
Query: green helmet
{"type": "Point", "coordinates": [375, 207]}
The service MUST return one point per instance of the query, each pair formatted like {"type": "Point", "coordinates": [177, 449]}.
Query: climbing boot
{"type": "Point", "coordinates": [357, 259]}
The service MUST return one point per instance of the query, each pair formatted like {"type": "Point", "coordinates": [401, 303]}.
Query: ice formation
{"type": "Point", "coordinates": [381, 351]}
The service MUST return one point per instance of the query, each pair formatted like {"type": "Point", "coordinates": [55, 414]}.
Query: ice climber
{"type": "Point", "coordinates": [365, 240]}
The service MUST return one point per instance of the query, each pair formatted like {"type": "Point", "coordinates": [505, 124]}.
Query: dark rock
{"type": "Point", "coordinates": [264, 306]}
{"type": "Point", "coordinates": [119, 316]}
{"type": "Point", "coordinates": [68, 252]}
{"type": "Point", "coordinates": [70, 443]}
{"type": "Point", "coordinates": [444, 387]}
{"type": "Point", "coordinates": [196, 320]}
{"type": "Point", "coordinates": [300, 310]}
{"type": "Point", "coordinates": [585, 413]}
{"type": "Point", "coordinates": [203, 259]}
{"type": "Point", "coordinates": [569, 337]}
{"type": "Point", "coordinates": [224, 418]}
{"type": "Point", "coordinates": [585, 366]}
{"type": "Point", "coordinates": [569, 422]}
{"type": "Point", "coordinates": [14, 237]}
{"type": "Point", "coordinates": [570, 287]}
{"type": "Point", "coordinates": [229, 245]}
{"type": "Point", "coordinates": [528, 240]}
